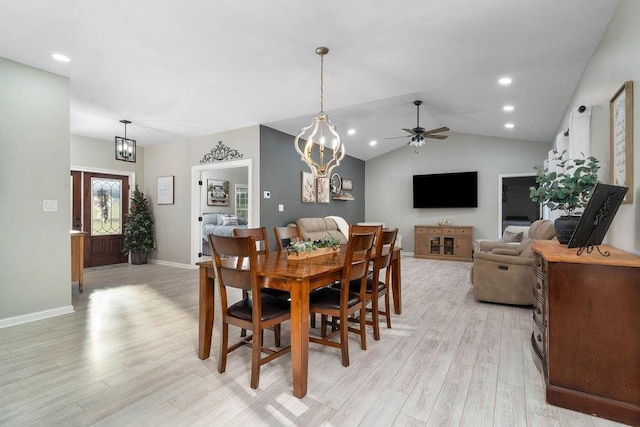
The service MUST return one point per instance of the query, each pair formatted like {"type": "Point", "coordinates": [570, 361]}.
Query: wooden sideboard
{"type": "Point", "coordinates": [586, 328]}
{"type": "Point", "coordinates": [444, 242]}
{"type": "Point", "coordinates": [77, 257]}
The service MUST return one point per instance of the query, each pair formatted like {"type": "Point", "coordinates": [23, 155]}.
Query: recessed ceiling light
{"type": "Point", "coordinates": [507, 108]}
{"type": "Point", "coordinates": [505, 81]}
{"type": "Point", "coordinates": [373, 142]}
{"type": "Point", "coordinates": [60, 57]}
{"type": "Point", "coordinates": [351, 132]}
{"type": "Point", "coordinates": [509, 125]}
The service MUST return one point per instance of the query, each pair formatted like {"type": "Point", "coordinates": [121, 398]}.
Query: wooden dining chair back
{"type": "Point", "coordinates": [259, 234]}
{"type": "Point", "coordinates": [236, 263]}
{"type": "Point", "coordinates": [340, 303]}
{"type": "Point", "coordinates": [377, 287]}
{"type": "Point", "coordinates": [286, 235]}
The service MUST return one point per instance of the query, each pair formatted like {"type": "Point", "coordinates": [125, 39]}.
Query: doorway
{"type": "Point", "coordinates": [100, 202]}
{"type": "Point", "coordinates": [199, 193]}
{"type": "Point", "coordinates": [514, 205]}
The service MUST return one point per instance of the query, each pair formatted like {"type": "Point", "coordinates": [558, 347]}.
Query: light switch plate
{"type": "Point", "coordinates": [49, 205]}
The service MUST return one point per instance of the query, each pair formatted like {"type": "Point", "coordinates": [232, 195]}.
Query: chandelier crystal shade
{"type": "Point", "coordinates": [125, 147]}
{"type": "Point", "coordinates": [323, 140]}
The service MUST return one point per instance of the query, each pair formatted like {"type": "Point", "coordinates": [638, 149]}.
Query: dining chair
{"type": "Point", "coordinates": [376, 288]}
{"type": "Point", "coordinates": [286, 235]}
{"type": "Point", "coordinates": [259, 235]}
{"type": "Point", "coordinates": [339, 303]}
{"type": "Point", "coordinates": [236, 263]}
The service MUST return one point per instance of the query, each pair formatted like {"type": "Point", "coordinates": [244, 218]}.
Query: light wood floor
{"type": "Point", "coordinates": [127, 356]}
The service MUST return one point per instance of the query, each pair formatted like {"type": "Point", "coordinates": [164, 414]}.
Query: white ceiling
{"type": "Point", "coordinates": [191, 68]}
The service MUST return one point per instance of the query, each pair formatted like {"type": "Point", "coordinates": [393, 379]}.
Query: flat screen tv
{"type": "Point", "coordinates": [446, 190]}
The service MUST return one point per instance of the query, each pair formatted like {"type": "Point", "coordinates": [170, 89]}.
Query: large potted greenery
{"type": "Point", "coordinates": [567, 188]}
{"type": "Point", "coordinates": [138, 230]}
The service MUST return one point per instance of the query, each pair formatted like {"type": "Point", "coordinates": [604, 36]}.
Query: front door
{"type": "Point", "coordinates": [106, 201]}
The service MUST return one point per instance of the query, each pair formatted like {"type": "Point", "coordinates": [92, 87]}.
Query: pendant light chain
{"type": "Point", "coordinates": [322, 84]}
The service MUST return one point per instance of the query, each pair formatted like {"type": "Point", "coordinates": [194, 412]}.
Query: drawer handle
{"type": "Point", "coordinates": [539, 338]}
{"type": "Point", "coordinates": [503, 267]}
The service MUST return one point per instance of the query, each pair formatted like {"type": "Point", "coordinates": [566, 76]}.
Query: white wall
{"type": "Point", "coordinates": [173, 222]}
{"type": "Point", "coordinates": [615, 60]}
{"type": "Point", "coordinates": [389, 185]}
{"type": "Point", "coordinates": [35, 258]}
{"type": "Point", "coordinates": [91, 153]}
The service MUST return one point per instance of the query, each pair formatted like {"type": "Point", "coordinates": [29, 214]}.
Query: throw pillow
{"type": "Point", "coordinates": [230, 220]}
{"type": "Point", "coordinates": [509, 237]}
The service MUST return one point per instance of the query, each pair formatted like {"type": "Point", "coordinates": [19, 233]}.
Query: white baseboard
{"type": "Point", "coordinates": [172, 264]}
{"type": "Point", "coordinates": [32, 317]}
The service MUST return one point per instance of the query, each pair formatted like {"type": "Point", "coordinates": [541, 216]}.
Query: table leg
{"type": "Point", "coordinates": [300, 336]}
{"type": "Point", "coordinates": [396, 285]}
{"type": "Point", "coordinates": [206, 313]}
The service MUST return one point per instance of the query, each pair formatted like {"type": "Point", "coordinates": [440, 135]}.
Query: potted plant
{"type": "Point", "coordinates": [138, 229]}
{"type": "Point", "coordinates": [566, 188]}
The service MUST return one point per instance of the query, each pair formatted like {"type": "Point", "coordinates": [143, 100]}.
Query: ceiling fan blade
{"type": "Point", "coordinates": [397, 137]}
{"type": "Point", "coordinates": [442, 129]}
{"type": "Point", "coordinates": [409, 131]}
{"type": "Point", "coordinates": [436, 136]}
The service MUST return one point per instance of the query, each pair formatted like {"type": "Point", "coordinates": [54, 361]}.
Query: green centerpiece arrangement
{"type": "Point", "coordinates": [566, 188]}
{"type": "Point", "coordinates": [311, 248]}
{"type": "Point", "coordinates": [138, 230]}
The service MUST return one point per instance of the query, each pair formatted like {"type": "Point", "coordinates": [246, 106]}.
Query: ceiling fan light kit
{"type": "Point", "coordinates": [418, 133]}
{"type": "Point", "coordinates": [323, 133]}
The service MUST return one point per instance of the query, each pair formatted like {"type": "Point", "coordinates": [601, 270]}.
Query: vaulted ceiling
{"type": "Point", "coordinates": [185, 69]}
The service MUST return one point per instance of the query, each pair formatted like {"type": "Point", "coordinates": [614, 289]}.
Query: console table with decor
{"type": "Point", "coordinates": [586, 329]}
{"type": "Point", "coordinates": [447, 242]}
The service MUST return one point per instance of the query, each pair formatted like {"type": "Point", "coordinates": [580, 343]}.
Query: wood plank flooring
{"type": "Point", "coordinates": [128, 357]}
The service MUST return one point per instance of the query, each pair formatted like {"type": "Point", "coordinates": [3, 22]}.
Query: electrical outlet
{"type": "Point", "coordinates": [280, 208]}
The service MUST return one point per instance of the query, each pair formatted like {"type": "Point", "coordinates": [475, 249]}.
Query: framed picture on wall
{"type": "Point", "coordinates": [217, 192]}
{"type": "Point", "coordinates": [323, 190]}
{"type": "Point", "coordinates": [621, 127]}
{"type": "Point", "coordinates": [308, 188]}
{"type": "Point", "coordinates": [165, 190]}
{"type": "Point", "coordinates": [347, 184]}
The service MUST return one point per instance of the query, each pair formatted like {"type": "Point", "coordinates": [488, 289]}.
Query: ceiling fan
{"type": "Point", "coordinates": [418, 134]}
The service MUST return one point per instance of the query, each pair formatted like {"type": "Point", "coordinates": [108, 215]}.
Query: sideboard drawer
{"type": "Point", "coordinates": [422, 230]}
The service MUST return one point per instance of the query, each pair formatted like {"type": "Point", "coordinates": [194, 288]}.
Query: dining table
{"type": "Point", "coordinates": [299, 277]}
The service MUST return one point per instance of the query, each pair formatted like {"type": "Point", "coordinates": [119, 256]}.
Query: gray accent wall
{"type": "Point", "coordinates": [281, 174]}
{"type": "Point", "coordinates": [35, 255]}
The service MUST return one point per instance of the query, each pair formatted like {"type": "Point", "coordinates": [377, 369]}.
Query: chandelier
{"type": "Point", "coordinates": [323, 139]}
{"type": "Point", "coordinates": [125, 148]}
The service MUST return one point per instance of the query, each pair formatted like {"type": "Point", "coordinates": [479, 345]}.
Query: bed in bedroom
{"type": "Point", "coordinates": [219, 224]}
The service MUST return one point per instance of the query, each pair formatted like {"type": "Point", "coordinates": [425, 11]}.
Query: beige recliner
{"type": "Point", "coordinates": [504, 274]}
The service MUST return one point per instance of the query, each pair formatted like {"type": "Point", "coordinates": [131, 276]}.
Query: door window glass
{"type": "Point", "coordinates": [106, 206]}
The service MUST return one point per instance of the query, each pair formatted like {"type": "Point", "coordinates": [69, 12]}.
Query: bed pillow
{"type": "Point", "coordinates": [209, 218]}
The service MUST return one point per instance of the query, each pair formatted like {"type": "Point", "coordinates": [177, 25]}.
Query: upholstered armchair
{"type": "Point", "coordinates": [504, 274]}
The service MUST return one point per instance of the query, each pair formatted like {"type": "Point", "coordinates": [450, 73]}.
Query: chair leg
{"type": "Point", "coordinates": [344, 339]}
{"type": "Point", "coordinates": [375, 321]}
{"type": "Point", "coordinates": [323, 325]}
{"type": "Point", "coordinates": [276, 331]}
{"type": "Point", "coordinates": [243, 332]}
{"type": "Point", "coordinates": [363, 322]}
{"type": "Point", "coordinates": [224, 344]}
{"type": "Point", "coordinates": [255, 358]}
{"type": "Point", "coordinates": [387, 310]}
{"type": "Point", "coordinates": [313, 319]}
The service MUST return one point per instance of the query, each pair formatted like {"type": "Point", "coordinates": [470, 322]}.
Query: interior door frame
{"type": "Point", "coordinates": [196, 200]}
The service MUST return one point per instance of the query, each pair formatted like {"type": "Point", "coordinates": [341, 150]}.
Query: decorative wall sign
{"type": "Point", "coordinates": [322, 185]}
{"type": "Point", "coordinates": [308, 188]}
{"type": "Point", "coordinates": [621, 117]}
{"type": "Point", "coordinates": [217, 192]}
{"type": "Point", "coordinates": [220, 152]}
{"type": "Point", "coordinates": [165, 190]}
